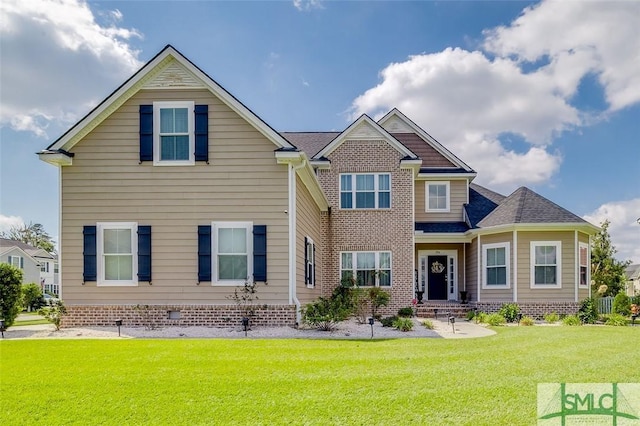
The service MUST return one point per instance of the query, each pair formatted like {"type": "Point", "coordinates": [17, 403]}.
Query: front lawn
{"type": "Point", "coordinates": [486, 381]}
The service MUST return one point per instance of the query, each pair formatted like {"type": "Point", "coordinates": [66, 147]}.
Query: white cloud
{"type": "Point", "coordinates": [58, 61]}
{"type": "Point", "coordinates": [307, 5]}
{"type": "Point", "coordinates": [470, 100]}
{"type": "Point", "coordinates": [624, 228]}
{"type": "Point", "coordinates": [8, 222]}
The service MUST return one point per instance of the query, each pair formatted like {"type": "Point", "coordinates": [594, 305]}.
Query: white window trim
{"type": "Point", "coordinates": [190, 105]}
{"type": "Point", "coordinates": [426, 195]}
{"type": "Point", "coordinates": [507, 254]}
{"type": "Point", "coordinates": [354, 263]}
{"type": "Point", "coordinates": [100, 227]}
{"type": "Point", "coordinates": [20, 262]}
{"type": "Point", "coordinates": [588, 265]}
{"type": "Point", "coordinates": [558, 246]}
{"type": "Point", "coordinates": [215, 227]}
{"type": "Point", "coordinates": [310, 264]}
{"type": "Point", "coordinates": [376, 190]}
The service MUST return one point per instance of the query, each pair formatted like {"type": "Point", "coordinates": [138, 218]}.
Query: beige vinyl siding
{"type": "Point", "coordinates": [528, 294]}
{"type": "Point", "coordinates": [471, 276]}
{"type": "Point", "coordinates": [458, 197]}
{"type": "Point", "coordinates": [504, 294]}
{"type": "Point", "coordinates": [308, 218]}
{"type": "Point", "coordinates": [106, 183]}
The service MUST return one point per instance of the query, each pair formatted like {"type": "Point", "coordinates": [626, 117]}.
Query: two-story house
{"type": "Point", "coordinates": [173, 194]}
{"type": "Point", "coordinates": [37, 265]}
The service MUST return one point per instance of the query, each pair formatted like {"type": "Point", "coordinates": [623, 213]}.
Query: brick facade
{"type": "Point", "coordinates": [188, 315]}
{"type": "Point", "coordinates": [373, 229]}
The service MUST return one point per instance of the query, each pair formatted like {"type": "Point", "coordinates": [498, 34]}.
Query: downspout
{"type": "Point", "coordinates": [293, 298]}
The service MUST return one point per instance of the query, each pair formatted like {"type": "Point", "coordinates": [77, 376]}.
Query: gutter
{"type": "Point", "coordinates": [293, 298]}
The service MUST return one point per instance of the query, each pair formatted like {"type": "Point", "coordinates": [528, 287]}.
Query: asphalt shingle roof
{"type": "Point", "coordinates": [309, 142]}
{"type": "Point", "coordinates": [441, 227]}
{"type": "Point", "coordinates": [482, 201]}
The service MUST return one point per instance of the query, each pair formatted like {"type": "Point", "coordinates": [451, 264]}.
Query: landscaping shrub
{"type": "Point", "coordinates": [54, 313]}
{"type": "Point", "coordinates": [510, 311]}
{"type": "Point", "coordinates": [470, 315]}
{"type": "Point", "coordinates": [621, 305]}
{"type": "Point", "coordinates": [325, 313]}
{"type": "Point", "coordinates": [403, 324]}
{"type": "Point", "coordinates": [551, 318]}
{"type": "Point", "coordinates": [388, 321]}
{"type": "Point", "coordinates": [496, 319]}
{"type": "Point", "coordinates": [405, 312]}
{"type": "Point", "coordinates": [427, 324]}
{"type": "Point", "coordinates": [527, 321]}
{"type": "Point", "coordinates": [32, 298]}
{"type": "Point", "coordinates": [588, 312]}
{"type": "Point", "coordinates": [635, 300]}
{"type": "Point", "coordinates": [616, 320]}
{"type": "Point", "coordinates": [481, 318]}
{"type": "Point", "coordinates": [10, 293]}
{"type": "Point", "coordinates": [571, 320]}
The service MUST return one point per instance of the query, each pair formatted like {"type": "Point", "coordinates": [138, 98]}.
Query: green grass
{"type": "Point", "coordinates": [33, 318]}
{"type": "Point", "coordinates": [487, 381]}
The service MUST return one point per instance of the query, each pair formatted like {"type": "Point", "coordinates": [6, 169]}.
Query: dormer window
{"type": "Point", "coordinates": [174, 141]}
{"type": "Point", "coordinates": [437, 196]}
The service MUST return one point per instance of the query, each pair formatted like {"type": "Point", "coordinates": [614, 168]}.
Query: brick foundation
{"type": "Point", "coordinates": [535, 310]}
{"type": "Point", "coordinates": [184, 315]}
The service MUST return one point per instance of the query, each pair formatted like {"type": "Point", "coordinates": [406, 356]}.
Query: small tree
{"type": "Point", "coordinates": [10, 293]}
{"type": "Point", "coordinates": [605, 269]}
{"type": "Point", "coordinates": [32, 297]}
{"type": "Point", "coordinates": [622, 304]}
{"type": "Point", "coordinates": [54, 313]}
{"type": "Point", "coordinates": [244, 297]}
{"type": "Point", "coordinates": [378, 298]}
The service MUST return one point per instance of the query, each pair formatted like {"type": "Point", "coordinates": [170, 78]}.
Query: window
{"type": "Point", "coordinates": [437, 196]}
{"type": "Point", "coordinates": [16, 261]}
{"type": "Point", "coordinates": [546, 264]}
{"type": "Point", "coordinates": [232, 248]}
{"type": "Point", "coordinates": [174, 142]}
{"type": "Point", "coordinates": [117, 253]}
{"type": "Point", "coordinates": [309, 262]}
{"type": "Point", "coordinates": [56, 268]}
{"type": "Point", "coordinates": [367, 267]}
{"type": "Point", "coordinates": [44, 267]}
{"type": "Point", "coordinates": [584, 264]}
{"type": "Point", "coordinates": [365, 191]}
{"type": "Point", "coordinates": [496, 260]}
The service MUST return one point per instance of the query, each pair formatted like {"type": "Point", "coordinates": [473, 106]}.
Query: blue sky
{"type": "Point", "coordinates": [541, 94]}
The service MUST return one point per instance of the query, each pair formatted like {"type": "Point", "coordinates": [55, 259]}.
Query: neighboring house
{"type": "Point", "coordinates": [37, 265]}
{"type": "Point", "coordinates": [632, 286]}
{"type": "Point", "coordinates": [174, 194]}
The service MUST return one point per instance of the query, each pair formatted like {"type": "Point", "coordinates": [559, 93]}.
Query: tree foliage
{"type": "Point", "coordinates": [32, 297]}
{"type": "Point", "coordinates": [10, 293]}
{"type": "Point", "coordinates": [605, 269]}
{"type": "Point", "coordinates": [33, 234]}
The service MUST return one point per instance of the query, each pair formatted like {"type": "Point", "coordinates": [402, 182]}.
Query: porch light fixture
{"type": "Point", "coordinates": [371, 321]}
{"type": "Point", "coordinates": [118, 324]}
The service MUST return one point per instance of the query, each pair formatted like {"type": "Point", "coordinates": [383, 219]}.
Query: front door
{"type": "Point", "coordinates": [437, 277]}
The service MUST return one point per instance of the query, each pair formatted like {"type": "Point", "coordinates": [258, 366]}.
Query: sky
{"type": "Point", "coordinates": [538, 94]}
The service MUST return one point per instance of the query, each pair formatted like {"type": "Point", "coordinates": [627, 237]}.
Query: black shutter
{"type": "Point", "coordinates": [315, 260]}
{"type": "Point", "coordinates": [202, 132]}
{"type": "Point", "coordinates": [204, 253]}
{"type": "Point", "coordinates": [90, 260]}
{"type": "Point", "coordinates": [306, 260]}
{"type": "Point", "coordinates": [260, 253]}
{"type": "Point", "coordinates": [144, 253]}
{"type": "Point", "coordinates": [146, 133]}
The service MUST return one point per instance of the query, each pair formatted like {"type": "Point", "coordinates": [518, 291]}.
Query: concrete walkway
{"type": "Point", "coordinates": [463, 329]}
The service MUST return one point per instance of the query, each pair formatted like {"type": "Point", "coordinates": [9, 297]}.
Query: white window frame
{"type": "Point", "coordinates": [485, 268]}
{"type": "Point", "coordinates": [353, 191]}
{"type": "Point", "coordinates": [580, 265]}
{"type": "Point", "coordinates": [354, 266]}
{"type": "Point", "coordinates": [190, 106]}
{"type": "Point", "coordinates": [558, 265]}
{"type": "Point", "coordinates": [19, 259]}
{"type": "Point", "coordinates": [100, 228]}
{"type": "Point", "coordinates": [215, 228]}
{"type": "Point", "coordinates": [44, 267]}
{"type": "Point", "coordinates": [310, 263]}
{"type": "Point", "coordinates": [447, 185]}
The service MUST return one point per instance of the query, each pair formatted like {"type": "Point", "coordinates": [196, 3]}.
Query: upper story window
{"type": "Point", "coordinates": [584, 264]}
{"type": "Point", "coordinates": [174, 133]}
{"type": "Point", "coordinates": [365, 191]}
{"type": "Point", "coordinates": [546, 265]}
{"type": "Point", "coordinates": [16, 261]}
{"type": "Point", "coordinates": [437, 196]}
{"type": "Point", "coordinates": [117, 253]}
{"type": "Point", "coordinates": [44, 267]}
{"type": "Point", "coordinates": [495, 258]}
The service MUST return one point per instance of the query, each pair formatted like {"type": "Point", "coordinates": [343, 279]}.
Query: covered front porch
{"type": "Point", "coordinates": [441, 272]}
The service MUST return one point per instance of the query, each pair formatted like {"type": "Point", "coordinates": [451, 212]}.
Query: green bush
{"type": "Point", "coordinates": [571, 320]}
{"type": "Point", "coordinates": [510, 311]}
{"type": "Point", "coordinates": [635, 300]}
{"type": "Point", "coordinates": [403, 324]}
{"type": "Point", "coordinates": [617, 320]}
{"type": "Point", "coordinates": [325, 313]}
{"type": "Point", "coordinates": [405, 312]}
{"type": "Point", "coordinates": [32, 297]}
{"type": "Point", "coordinates": [54, 313]}
{"type": "Point", "coordinates": [621, 305]}
{"type": "Point", "coordinates": [10, 293]}
{"type": "Point", "coordinates": [481, 318]}
{"type": "Point", "coordinates": [527, 321]}
{"type": "Point", "coordinates": [588, 312]}
{"type": "Point", "coordinates": [470, 315]}
{"type": "Point", "coordinates": [551, 318]}
{"type": "Point", "coordinates": [388, 321]}
{"type": "Point", "coordinates": [427, 324]}
{"type": "Point", "coordinates": [496, 319]}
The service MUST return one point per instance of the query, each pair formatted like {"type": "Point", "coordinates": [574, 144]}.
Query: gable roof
{"type": "Point", "coordinates": [167, 57]}
{"type": "Point", "coordinates": [32, 251]}
{"type": "Point", "coordinates": [633, 272]}
{"type": "Point", "coordinates": [482, 201]}
{"type": "Point", "coordinates": [526, 206]}
{"type": "Point", "coordinates": [310, 142]}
